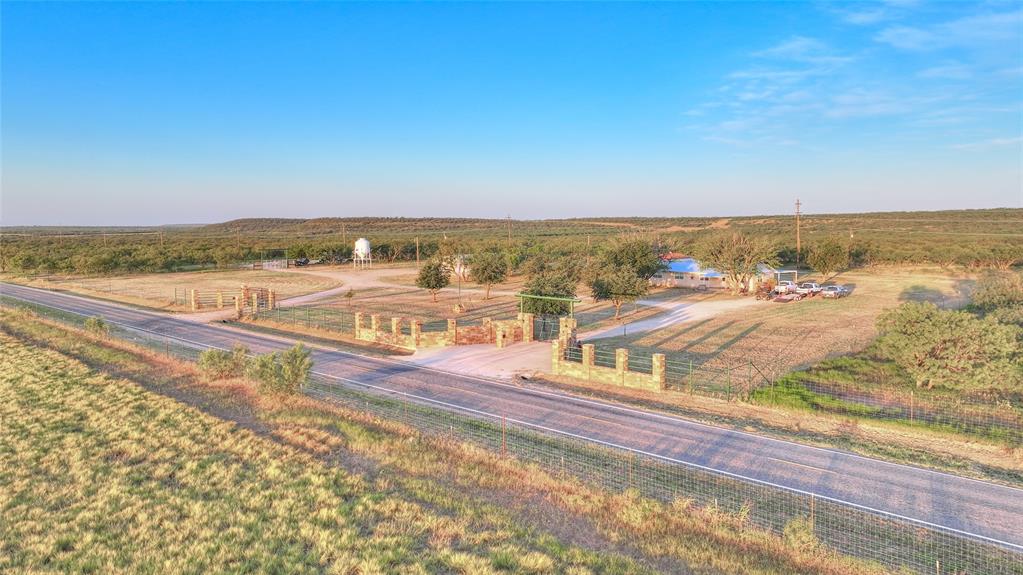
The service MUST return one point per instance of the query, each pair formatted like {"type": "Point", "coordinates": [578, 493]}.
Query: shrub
{"type": "Point", "coordinates": [219, 364]}
{"type": "Point", "coordinates": [97, 326]}
{"type": "Point", "coordinates": [951, 348]}
{"type": "Point", "coordinates": [1000, 295]}
{"type": "Point", "coordinates": [798, 534]}
{"type": "Point", "coordinates": [281, 372]}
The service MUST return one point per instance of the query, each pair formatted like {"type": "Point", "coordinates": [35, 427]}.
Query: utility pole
{"type": "Point", "coordinates": [344, 235]}
{"type": "Point", "coordinates": [509, 228]}
{"type": "Point", "coordinates": [798, 244]}
{"type": "Point", "coordinates": [417, 252]}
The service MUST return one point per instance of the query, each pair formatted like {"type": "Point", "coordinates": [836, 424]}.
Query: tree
{"type": "Point", "coordinates": [622, 272]}
{"type": "Point", "coordinates": [949, 348]}
{"type": "Point", "coordinates": [487, 269]}
{"type": "Point", "coordinates": [619, 285]}
{"type": "Point", "coordinates": [737, 257]}
{"type": "Point", "coordinates": [433, 276]}
{"type": "Point", "coordinates": [828, 257]}
{"type": "Point", "coordinates": [551, 278]}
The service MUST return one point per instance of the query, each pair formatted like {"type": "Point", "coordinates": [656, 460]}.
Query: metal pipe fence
{"type": "Point", "coordinates": [895, 542]}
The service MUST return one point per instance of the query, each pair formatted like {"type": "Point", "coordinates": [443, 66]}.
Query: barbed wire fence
{"type": "Point", "coordinates": [892, 541]}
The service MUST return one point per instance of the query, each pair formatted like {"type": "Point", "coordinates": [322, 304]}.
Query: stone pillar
{"type": "Point", "coordinates": [273, 299]}
{"type": "Point", "coordinates": [220, 300]}
{"type": "Point", "coordinates": [621, 364]}
{"type": "Point", "coordinates": [452, 332]}
{"type": "Point", "coordinates": [499, 337]}
{"type": "Point", "coordinates": [488, 328]}
{"type": "Point", "coordinates": [555, 356]}
{"type": "Point", "coordinates": [415, 328]}
{"type": "Point", "coordinates": [658, 372]}
{"type": "Point", "coordinates": [526, 319]}
{"type": "Point", "coordinates": [588, 358]}
{"type": "Point", "coordinates": [374, 324]}
{"type": "Point", "coordinates": [358, 325]}
{"type": "Point", "coordinates": [395, 326]}
{"type": "Point", "coordinates": [194, 299]}
{"type": "Point", "coordinates": [566, 331]}
{"type": "Point", "coordinates": [255, 302]}
{"type": "Point", "coordinates": [238, 305]}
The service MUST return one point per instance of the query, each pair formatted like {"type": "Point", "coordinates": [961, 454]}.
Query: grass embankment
{"type": "Point", "coordinates": [113, 462]}
{"type": "Point", "coordinates": [797, 416]}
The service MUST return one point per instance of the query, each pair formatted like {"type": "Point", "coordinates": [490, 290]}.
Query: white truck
{"type": "Point", "coordinates": [809, 288]}
{"type": "Point", "coordinates": [785, 287]}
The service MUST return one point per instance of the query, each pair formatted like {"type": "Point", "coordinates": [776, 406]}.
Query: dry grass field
{"type": "Point", "coordinates": [783, 336]}
{"type": "Point", "coordinates": [100, 475]}
{"type": "Point", "coordinates": [158, 290]}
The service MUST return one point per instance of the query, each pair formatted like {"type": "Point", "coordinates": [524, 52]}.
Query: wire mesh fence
{"type": "Point", "coordinates": [999, 418]}
{"type": "Point", "coordinates": [892, 541]}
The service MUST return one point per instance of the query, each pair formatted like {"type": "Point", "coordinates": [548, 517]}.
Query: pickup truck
{"type": "Point", "coordinates": [785, 287]}
{"type": "Point", "coordinates": [809, 288]}
{"type": "Point", "coordinates": [835, 292]}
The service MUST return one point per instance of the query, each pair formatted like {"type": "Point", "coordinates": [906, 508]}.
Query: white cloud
{"type": "Point", "coordinates": [972, 31]}
{"type": "Point", "coordinates": [989, 144]}
{"type": "Point", "coordinates": [947, 71]}
{"type": "Point", "coordinates": [802, 49]}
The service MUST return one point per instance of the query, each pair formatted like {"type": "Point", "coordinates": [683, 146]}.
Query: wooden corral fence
{"type": "Point", "coordinates": [245, 300]}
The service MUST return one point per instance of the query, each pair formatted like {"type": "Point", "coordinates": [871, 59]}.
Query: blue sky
{"type": "Point", "coordinates": [149, 113]}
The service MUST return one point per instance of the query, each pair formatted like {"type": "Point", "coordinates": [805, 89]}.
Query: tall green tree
{"type": "Point", "coordinates": [553, 278]}
{"type": "Point", "coordinates": [828, 257]}
{"type": "Point", "coordinates": [487, 269]}
{"type": "Point", "coordinates": [737, 256]}
{"type": "Point", "coordinates": [433, 276]}
{"type": "Point", "coordinates": [622, 271]}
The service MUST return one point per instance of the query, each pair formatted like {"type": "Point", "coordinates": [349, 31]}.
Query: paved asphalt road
{"type": "Point", "coordinates": [968, 505]}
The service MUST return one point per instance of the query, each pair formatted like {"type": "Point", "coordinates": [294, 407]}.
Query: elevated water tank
{"type": "Point", "coordinates": [361, 249]}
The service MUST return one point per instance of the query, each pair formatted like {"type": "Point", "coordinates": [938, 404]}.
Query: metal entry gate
{"type": "Point", "coordinates": [546, 327]}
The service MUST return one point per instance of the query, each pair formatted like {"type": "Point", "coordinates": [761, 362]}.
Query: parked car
{"type": "Point", "coordinates": [834, 291]}
{"type": "Point", "coordinates": [299, 262]}
{"type": "Point", "coordinates": [808, 288]}
{"type": "Point", "coordinates": [784, 287]}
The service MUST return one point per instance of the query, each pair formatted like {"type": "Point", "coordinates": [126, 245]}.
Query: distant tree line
{"type": "Point", "coordinates": [949, 245]}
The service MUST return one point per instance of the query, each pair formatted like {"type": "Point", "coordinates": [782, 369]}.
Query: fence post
{"type": "Point", "coordinates": [255, 302]}
{"type": "Point", "coordinates": [690, 376]}
{"type": "Point", "coordinates": [195, 300]}
{"type": "Point", "coordinates": [555, 356]}
{"type": "Point", "coordinates": [415, 331]}
{"type": "Point", "coordinates": [527, 326]}
{"type": "Point", "coordinates": [220, 300]}
{"type": "Point", "coordinates": [588, 358]}
{"type": "Point", "coordinates": [911, 397]}
{"type": "Point", "coordinates": [657, 370]}
{"type": "Point", "coordinates": [452, 331]}
{"type": "Point", "coordinates": [621, 364]}
{"type": "Point", "coordinates": [358, 325]}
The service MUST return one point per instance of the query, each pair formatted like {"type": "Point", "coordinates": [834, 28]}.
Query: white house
{"type": "Point", "coordinates": [686, 272]}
